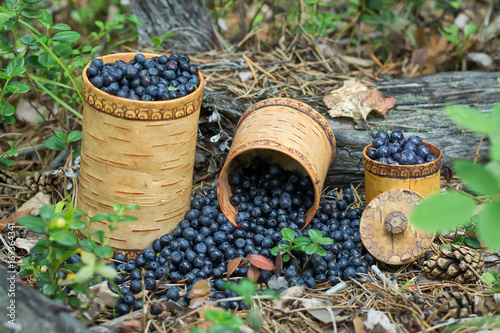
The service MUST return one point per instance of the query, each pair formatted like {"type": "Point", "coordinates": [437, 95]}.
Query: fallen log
{"type": "Point", "coordinates": [419, 110]}
{"type": "Point", "coordinates": [27, 310]}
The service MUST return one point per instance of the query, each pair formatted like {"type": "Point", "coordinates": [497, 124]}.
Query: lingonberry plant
{"type": "Point", "coordinates": [61, 259]}
{"type": "Point", "coordinates": [452, 209]}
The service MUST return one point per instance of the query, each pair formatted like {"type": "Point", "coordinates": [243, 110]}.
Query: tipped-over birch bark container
{"type": "Point", "coordinates": [421, 178]}
{"type": "Point", "coordinates": [137, 152]}
{"type": "Point", "coordinates": [282, 131]}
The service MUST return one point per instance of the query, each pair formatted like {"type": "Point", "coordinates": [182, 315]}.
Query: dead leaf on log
{"type": "Point", "coordinates": [356, 100]}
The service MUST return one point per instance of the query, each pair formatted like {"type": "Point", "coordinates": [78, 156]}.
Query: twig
{"type": "Point", "coordinates": [478, 147]}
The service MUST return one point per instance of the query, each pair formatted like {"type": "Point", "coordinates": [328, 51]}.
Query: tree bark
{"type": "Point", "coordinates": [419, 110]}
{"type": "Point", "coordinates": [33, 311]}
{"type": "Point", "coordinates": [189, 20]}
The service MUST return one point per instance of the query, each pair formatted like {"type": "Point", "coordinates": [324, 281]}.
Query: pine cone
{"type": "Point", "coordinates": [455, 305]}
{"type": "Point", "coordinates": [453, 264]}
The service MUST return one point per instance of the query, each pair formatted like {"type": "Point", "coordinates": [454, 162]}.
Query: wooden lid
{"type": "Point", "coordinates": [385, 231]}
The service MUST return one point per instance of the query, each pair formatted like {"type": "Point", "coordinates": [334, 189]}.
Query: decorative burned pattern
{"type": "Point", "coordinates": [296, 105]}
{"type": "Point", "coordinates": [404, 171]}
{"type": "Point", "coordinates": [394, 249]}
{"type": "Point", "coordinates": [293, 152]}
{"type": "Point", "coordinates": [145, 111]}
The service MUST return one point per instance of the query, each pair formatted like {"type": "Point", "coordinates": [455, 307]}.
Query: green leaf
{"type": "Point", "coordinates": [301, 241]}
{"type": "Point", "coordinates": [134, 19]}
{"type": "Point", "coordinates": [288, 234]}
{"type": "Point", "coordinates": [15, 67]}
{"type": "Point", "coordinates": [30, 12]}
{"type": "Point", "coordinates": [170, 88]}
{"type": "Point", "coordinates": [74, 136]}
{"type": "Point", "coordinates": [55, 143]}
{"type": "Point", "coordinates": [18, 87]}
{"type": "Point", "coordinates": [196, 329]}
{"type": "Point", "coordinates": [451, 34]}
{"type": "Point", "coordinates": [46, 212]}
{"type": "Point", "coordinates": [325, 241]}
{"type": "Point", "coordinates": [106, 272]}
{"type": "Point", "coordinates": [3, 76]}
{"type": "Point", "coordinates": [104, 251]}
{"type": "Point", "coordinates": [442, 211]}
{"type": "Point", "coordinates": [49, 289]}
{"type": "Point", "coordinates": [471, 29]}
{"type": "Point", "coordinates": [4, 41]}
{"type": "Point", "coordinates": [471, 119]}
{"type": "Point", "coordinates": [64, 237]}
{"type": "Point", "coordinates": [311, 248]}
{"type": "Point", "coordinates": [45, 19]}
{"type": "Point", "coordinates": [31, 2]}
{"type": "Point", "coordinates": [315, 235]}
{"type": "Point", "coordinates": [32, 61]}
{"type": "Point", "coordinates": [29, 40]}
{"type": "Point", "coordinates": [472, 242]}
{"type": "Point", "coordinates": [477, 177]}
{"type": "Point", "coordinates": [61, 26]}
{"type": "Point", "coordinates": [33, 223]}
{"type": "Point", "coordinates": [10, 24]}
{"type": "Point", "coordinates": [495, 149]}
{"type": "Point", "coordinates": [67, 37]}
{"type": "Point", "coordinates": [459, 240]}
{"type": "Point", "coordinates": [84, 274]}
{"type": "Point", "coordinates": [88, 245]}
{"type": "Point", "coordinates": [9, 120]}
{"type": "Point", "coordinates": [321, 251]}
{"type": "Point", "coordinates": [8, 110]}
{"type": "Point", "coordinates": [62, 50]}
{"type": "Point", "coordinates": [46, 60]}
{"type": "Point", "coordinates": [99, 217]}
{"type": "Point", "coordinates": [286, 257]}
{"type": "Point", "coordinates": [489, 225]}
{"type": "Point", "coordinates": [488, 278]}
{"type": "Point", "coordinates": [5, 162]}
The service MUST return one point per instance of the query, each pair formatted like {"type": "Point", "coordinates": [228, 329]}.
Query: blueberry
{"type": "Point", "coordinates": [92, 72]}
{"type": "Point", "coordinates": [397, 136]}
{"type": "Point", "coordinates": [129, 299]}
{"type": "Point", "coordinates": [382, 151]}
{"type": "Point", "coordinates": [138, 305]}
{"type": "Point", "coordinates": [349, 273]}
{"type": "Point", "coordinates": [173, 294]}
{"type": "Point", "coordinates": [383, 135]}
{"type": "Point", "coordinates": [185, 266]}
{"type": "Point", "coordinates": [423, 151]}
{"type": "Point", "coordinates": [97, 63]}
{"type": "Point", "coordinates": [378, 142]}
{"type": "Point", "coordinates": [140, 261]}
{"type": "Point", "coordinates": [430, 158]}
{"type": "Point", "coordinates": [414, 139]}
{"type": "Point", "coordinates": [139, 58]}
{"type": "Point", "coordinates": [410, 146]}
{"type": "Point", "coordinates": [341, 205]}
{"type": "Point", "coordinates": [175, 276]}
{"type": "Point", "coordinates": [149, 283]}
{"type": "Point", "coordinates": [122, 308]}
{"type": "Point", "coordinates": [119, 257]}
{"type": "Point", "coordinates": [407, 157]}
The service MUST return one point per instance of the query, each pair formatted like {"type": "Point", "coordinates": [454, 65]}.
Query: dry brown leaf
{"type": "Point", "coordinates": [34, 204]}
{"type": "Point", "coordinates": [320, 309]}
{"type": "Point", "coordinates": [131, 326]}
{"type": "Point", "coordinates": [379, 321]}
{"type": "Point", "coordinates": [101, 291]}
{"type": "Point", "coordinates": [232, 265]}
{"type": "Point", "coordinates": [358, 323]}
{"type": "Point", "coordinates": [25, 244]}
{"type": "Point", "coordinates": [253, 273]}
{"type": "Point", "coordinates": [261, 262]}
{"type": "Point", "coordinates": [356, 100]}
{"type": "Point", "coordinates": [287, 297]}
{"type": "Point", "coordinates": [200, 291]}
{"type": "Point", "coordinates": [12, 218]}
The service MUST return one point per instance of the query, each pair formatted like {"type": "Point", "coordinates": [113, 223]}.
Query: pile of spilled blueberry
{"type": "Point", "coordinates": [396, 150]}
{"type": "Point", "coordinates": [268, 199]}
{"type": "Point", "coordinates": [156, 79]}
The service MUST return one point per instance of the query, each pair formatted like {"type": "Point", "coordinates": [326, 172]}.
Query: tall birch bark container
{"type": "Point", "coordinates": [137, 152]}
{"type": "Point", "coordinates": [282, 131]}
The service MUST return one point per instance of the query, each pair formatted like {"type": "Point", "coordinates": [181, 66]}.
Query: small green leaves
{"type": "Point", "coordinates": [470, 29]}
{"type": "Point", "coordinates": [33, 223]}
{"type": "Point", "coordinates": [76, 136]}
{"type": "Point", "coordinates": [62, 50]}
{"type": "Point", "coordinates": [15, 67]}
{"type": "Point", "coordinates": [18, 87]}
{"type": "Point", "coordinates": [288, 234]}
{"type": "Point", "coordinates": [55, 143]}
{"type": "Point", "coordinates": [477, 177]}
{"type": "Point", "coordinates": [45, 19]}
{"type": "Point", "coordinates": [30, 12]}
{"type": "Point", "coordinates": [489, 224]}
{"type": "Point", "coordinates": [444, 211]}
{"type": "Point", "coordinates": [311, 248]}
{"type": "Point", "coordinates": [451, 34]}
{"type": "Point", "coordinates": [64, 237]}
{"type": "Point", "coordinates": [315, 235]}
{"type": "Point", "coordinates": [67, 37]}
{"type": "Point", "coordinates": [61, 27]}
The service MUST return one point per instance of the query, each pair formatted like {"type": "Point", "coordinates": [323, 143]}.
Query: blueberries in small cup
{"type": "Point", "coordinates": [156, 79]}
{"type": "Point", "coordinates": [394, 149]}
